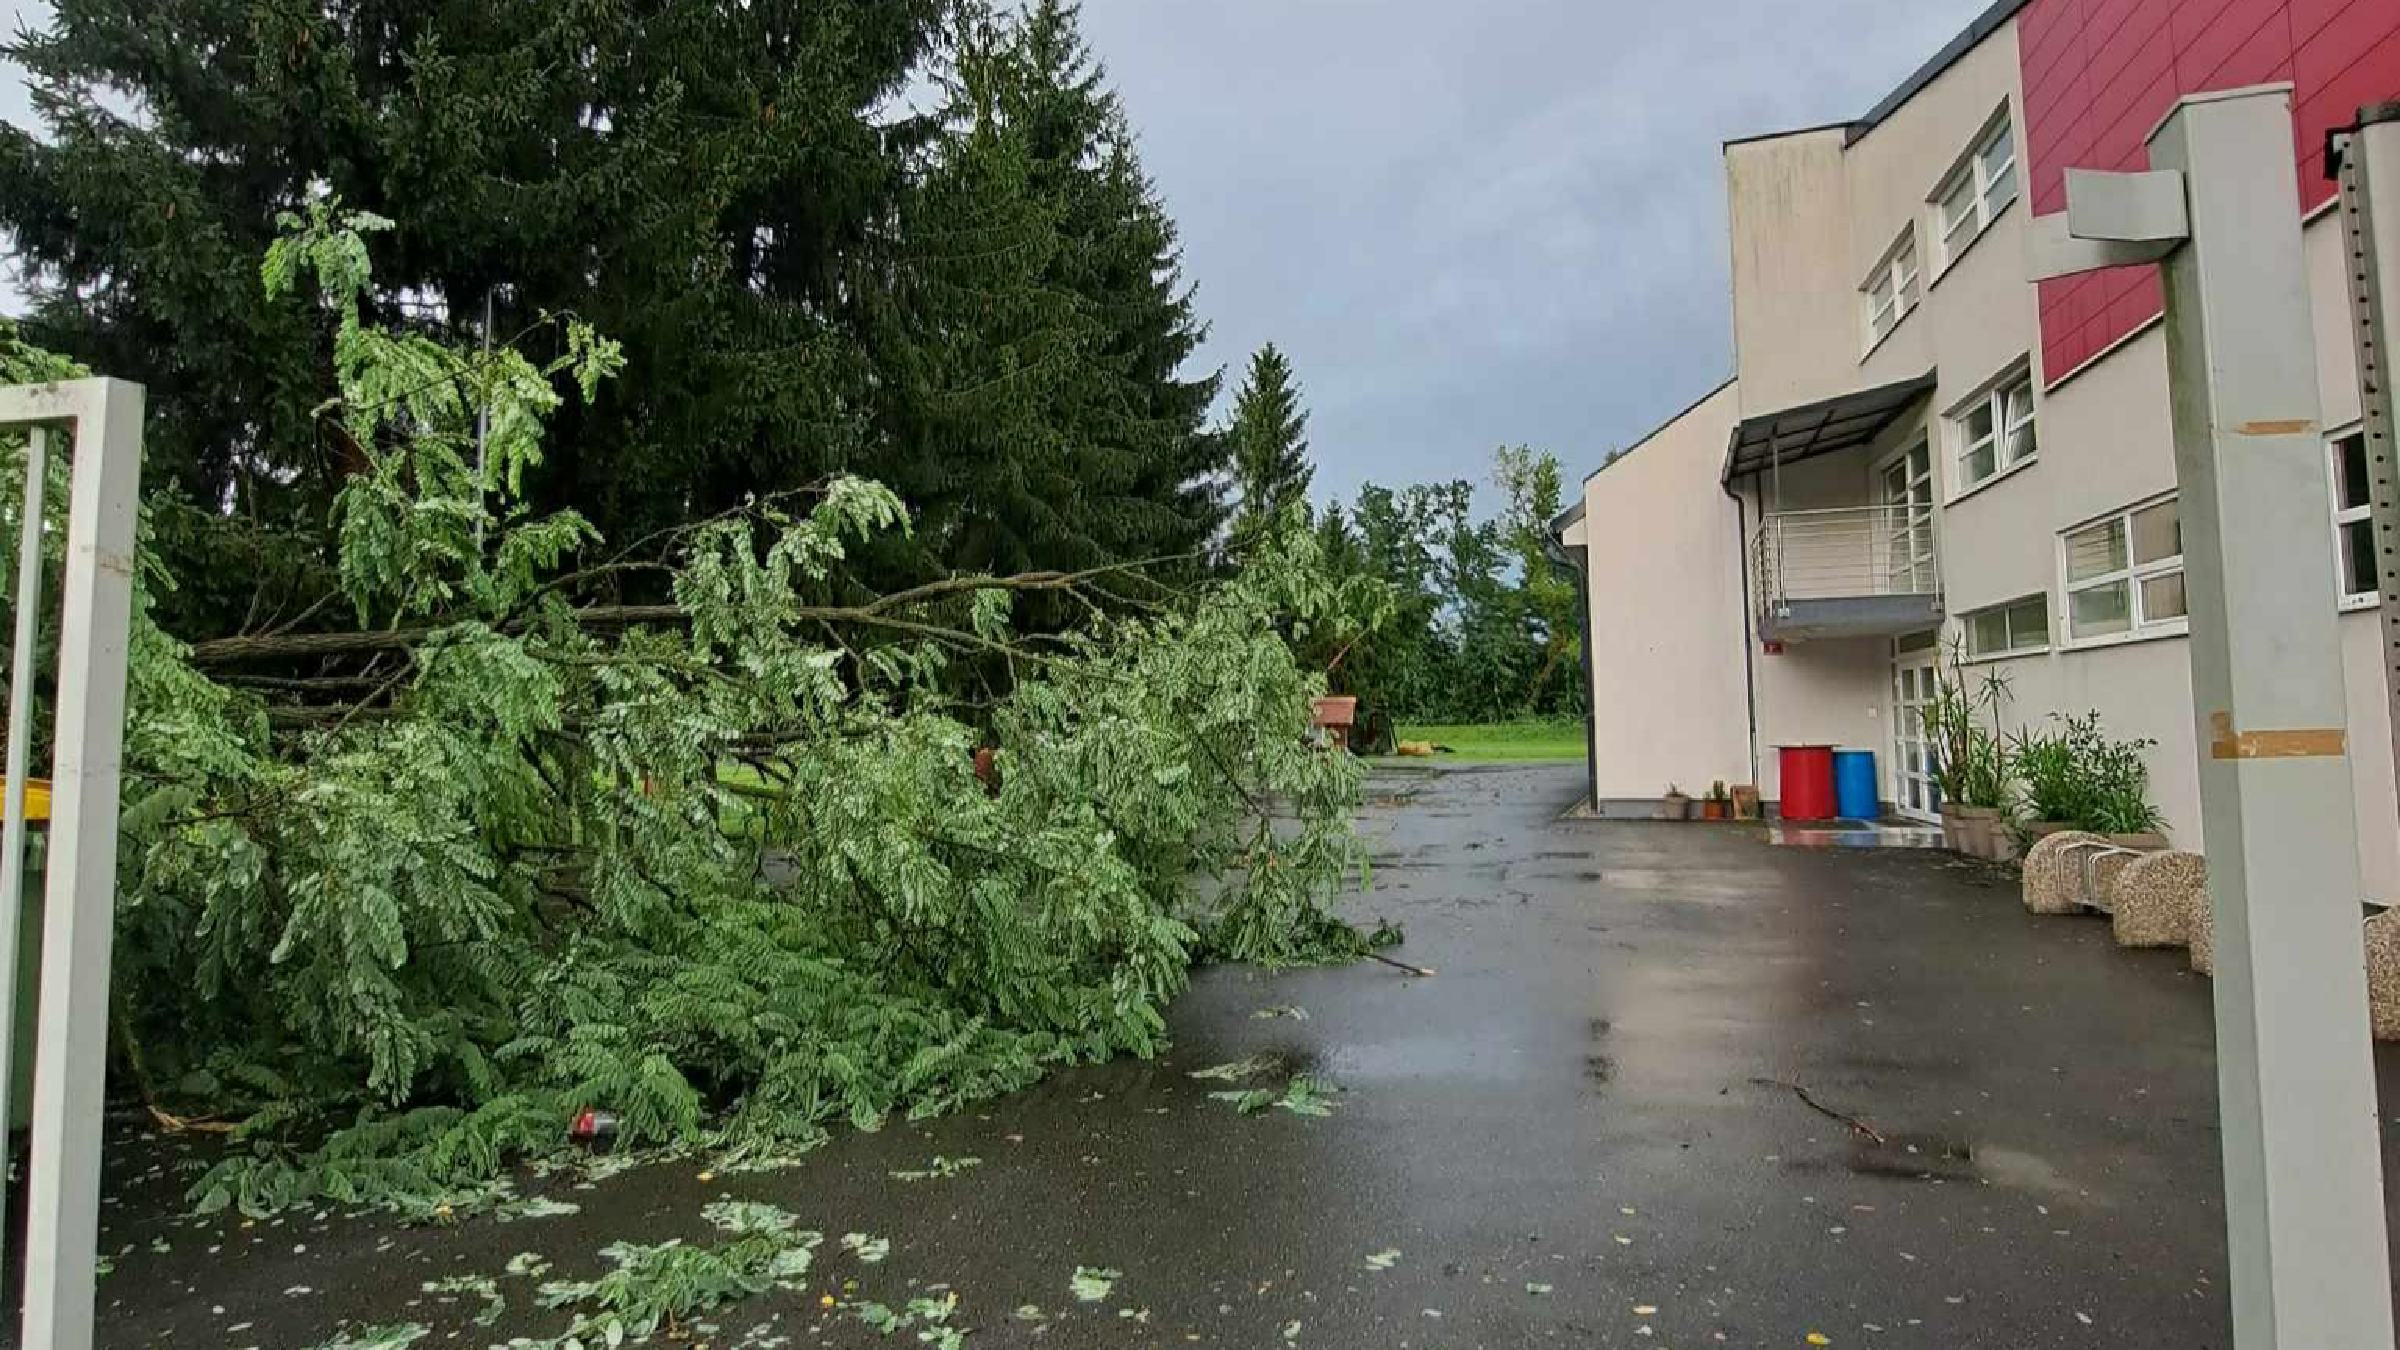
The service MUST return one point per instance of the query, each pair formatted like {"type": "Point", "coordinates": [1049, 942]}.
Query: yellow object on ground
{"type": "Point", "coordinates": [1417, 749]}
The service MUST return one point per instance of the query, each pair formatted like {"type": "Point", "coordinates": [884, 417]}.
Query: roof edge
{"type": "Point", "coordinates": [1661, 429]}
{"type": "Point", "coordinates": [1856, 129]}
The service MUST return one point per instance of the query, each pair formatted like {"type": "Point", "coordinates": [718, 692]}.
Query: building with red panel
{"type": "Point", "coordinates": [1925, 458]}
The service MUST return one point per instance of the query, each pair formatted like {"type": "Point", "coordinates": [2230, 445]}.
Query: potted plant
{"type": "Point", "coordinates": [2075, 777]}
{"type": "Point", "coordinates": [1718, 804]}
{"type": "Point", "coordinates": [2054, 789]}
{"type": "Point", "coordinates": [1675, 805]}
{"type": "Point", "coordinates": [1970, 772]}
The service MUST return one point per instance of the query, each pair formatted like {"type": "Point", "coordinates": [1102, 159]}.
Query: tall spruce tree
{"type": "Point", "coordinates": [1042, 324]}
{"type": "Point", "coordinates": [713, 182]}
{"type": "Point", "coordinates": [1270, 441]}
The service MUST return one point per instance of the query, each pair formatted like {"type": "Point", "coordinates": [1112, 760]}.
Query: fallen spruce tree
{"type": "Point", "coordinates": [399, 899]}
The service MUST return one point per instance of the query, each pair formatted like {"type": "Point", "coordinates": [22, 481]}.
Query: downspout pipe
{"type": "Point", "coordinates": [1741, 558]}
{"type": "Point", "coordinates": [1580, 568]}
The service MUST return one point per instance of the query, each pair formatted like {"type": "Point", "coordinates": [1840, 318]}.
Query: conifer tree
{"type": "Point", "coordinates": [1270, 441]}
{"type": "Point", "coordinates": [1043, 323]}
{"type": "Point", "coordinates": [711, 181]}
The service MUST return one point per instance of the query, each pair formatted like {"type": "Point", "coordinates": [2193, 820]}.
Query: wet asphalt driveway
{"type": "Point", "coordinates": [1591, 1127]}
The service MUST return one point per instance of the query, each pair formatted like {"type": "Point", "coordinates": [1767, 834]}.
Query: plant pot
{"type": "Point", "coordinates": [1978, 830]}
{"type": "Point", "coordinates": [2143, 843]}
{"type": "Point", "coordinates": [1715, 810]}
{"type": "Point", "coordinates": [1953, 829]}
{"type": "Point", "coordinates": [1675, 808]}
{"type": "Point", "coordinates": [2043, 829]}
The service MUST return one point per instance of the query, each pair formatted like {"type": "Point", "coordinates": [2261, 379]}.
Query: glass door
{"type": "Point", "coordinates": [1911, 775]}
{"type": "Point", "coordinates": [1904, 488]}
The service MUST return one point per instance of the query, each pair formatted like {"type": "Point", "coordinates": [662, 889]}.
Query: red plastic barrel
{"type": "Point", "coordinates": [1807, 782]}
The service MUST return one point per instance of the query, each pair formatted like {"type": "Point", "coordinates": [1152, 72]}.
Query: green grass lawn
{"type": "Point", "coordinates": [1510, 742]}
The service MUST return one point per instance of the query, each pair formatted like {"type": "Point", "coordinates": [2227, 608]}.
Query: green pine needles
{"type": "Point", "coordinates": [402, 899]}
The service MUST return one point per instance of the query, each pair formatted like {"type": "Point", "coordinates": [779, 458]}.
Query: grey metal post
{"type": "Point", "coordinates": [2370, 196]}
{"type": "Point", "coordinates": [20, 736]}
{"type": "Point", "coordinates": [2295, 1074]}
{"type": "Point", "coordinates": [62, 1207]}
{"type": "Point", "coordinates": [2295, 1081]}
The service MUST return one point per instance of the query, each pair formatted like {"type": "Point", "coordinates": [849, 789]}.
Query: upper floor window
{"type": "Point", "coordinates": [2354, 522]}
{"type": "Point", "coordinates": [1892, 290]}
{"type": "Point", "coordinates": [1977, 191]}
{"type": "Point", "coordinates": [1995, 432]}
{"type": "Point", "coordinates": [2123, 575]}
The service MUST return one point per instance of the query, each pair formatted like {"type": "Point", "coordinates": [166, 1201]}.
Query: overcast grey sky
{"type": "Point", "coordinates": [1470, 222]}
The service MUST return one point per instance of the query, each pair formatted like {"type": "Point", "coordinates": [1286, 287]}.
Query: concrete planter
{"type": "Point", "coordinates": [1980, 830]}
{"type": "Point", "coordinates": [1675, 806]}
{"type": "Point", "coordinates": [2139, 843]}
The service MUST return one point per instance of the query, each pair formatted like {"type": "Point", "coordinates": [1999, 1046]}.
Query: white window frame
{"type": "Point", "coordinates": [2131, 576]}
{"type": "Point", "coordinates": [1994, 402]}
{"type": "Point", "coordinates": [2344, 517]}
{"type": "Point", "coordinates": [1986, 197]}
{"type": "Point", "coordinates": [1901, 268]}
{"type": "Point", "coordinates": [2015, 648]}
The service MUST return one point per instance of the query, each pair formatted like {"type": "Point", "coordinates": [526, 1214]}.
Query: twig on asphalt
{"type": "Point", "coordinates": [1422, 972]}
{"type": "Point", "coordinates": [1822, 1109]}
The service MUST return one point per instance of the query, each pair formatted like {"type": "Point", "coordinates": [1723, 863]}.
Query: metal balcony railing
{"type": "Point", "coordinates": [1850, 553]}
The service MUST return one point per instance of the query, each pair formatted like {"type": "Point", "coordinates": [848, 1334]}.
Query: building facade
{"type": "Point", "coordinates": [1922, 448]}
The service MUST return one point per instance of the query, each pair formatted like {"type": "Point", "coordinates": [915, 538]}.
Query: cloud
{"type": "Point", "coordinates": [1486, 223]}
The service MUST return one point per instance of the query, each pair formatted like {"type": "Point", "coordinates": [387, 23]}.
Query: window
{"type": "Point", "coordinates": [2353, 522]}
{"type": "Point", "coordinates": [1995, 432]}
{"type": "Point", "coordinates": [1893, 290]}
{"type": "Point", "coordinates": [1975, 194]}
{"type": "Point", "coordinates": [2124, 575]}
{"type": "Point", "coordinates": [2011, 629]}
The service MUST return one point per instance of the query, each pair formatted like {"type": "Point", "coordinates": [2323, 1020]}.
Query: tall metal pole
{"type": "Point", "coordinates": [20, 745]}
{"type": "Point", "coordinates": [70, 1070]}
{"type": "Point", "coordinates": [2295, 1082]}
{"type": "Point", "coordinates": [2369, 176]}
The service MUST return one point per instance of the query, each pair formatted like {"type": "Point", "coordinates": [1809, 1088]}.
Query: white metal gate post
{"type": "Point", "coordinates": [62, 1212]}
{"type": "Point", "coordinates": [2295, 1080]}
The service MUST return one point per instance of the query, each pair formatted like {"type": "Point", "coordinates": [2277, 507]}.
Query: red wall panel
{"type": "Point", "coordinates": [2098, 74]}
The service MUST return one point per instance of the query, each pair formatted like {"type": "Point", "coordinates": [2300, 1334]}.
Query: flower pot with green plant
{"type": "Point", "coordinates": [1675, 805]}
{"type": "Point", "coordinates": [1718, 804]}
{"type": "Point", "coordinates": [2073, 776]}
{"type": "Point", "coordinates": [1971, 773]}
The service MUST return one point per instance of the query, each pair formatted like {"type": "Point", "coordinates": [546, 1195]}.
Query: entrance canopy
{"type": "Point", "coordinates": [1839, 423]}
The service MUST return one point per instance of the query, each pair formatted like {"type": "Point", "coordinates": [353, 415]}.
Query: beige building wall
{"type": "Point", "coordinates": [1669, 696]}
{"type": "Point", "coordinates": [1812, 213]}
{"type": "Point", "coordinates": [1788, 197]}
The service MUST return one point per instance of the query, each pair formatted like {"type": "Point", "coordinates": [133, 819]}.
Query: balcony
{"type": "Point", "coordinates": [1853, 572]}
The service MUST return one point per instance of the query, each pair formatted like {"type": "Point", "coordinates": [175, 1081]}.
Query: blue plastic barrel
{"type": "Point", "coordinates": [1854, 784]}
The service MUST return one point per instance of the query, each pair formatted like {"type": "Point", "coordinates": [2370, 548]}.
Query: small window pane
{"type": "Point", "coordinates": [1920, 461]}
{"type": "Point", "coordinates": [2157, 534]}
{"type": "Point", "coordinates": [1998, 153]}
{"type": "Point", "coordinates": [2001, 192]}
{"type": "Point", "coordinates": [1958, 206]}
{"type": "Point", "coordinates": [2029, 623]}
{"type": "Point", "coordinates": [1988, 632]}
{"type": "Point", "coordinates": [2162, 598]}
{"type": "Point", "coordinates": [1979, 424]}
{"type": "Point", "coordinates": [2358, 559]}
{"type": "Point", "coordinates": [2101, 610]}
{"type": "Point", "coordinates": [2350, 471]}
{"type": "Point", "coordinates": [2096, 552]}
{"type": "Point", "coordinates": [1980, 464]}
{"type": "Point", "coordinates": [2021, 443]}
